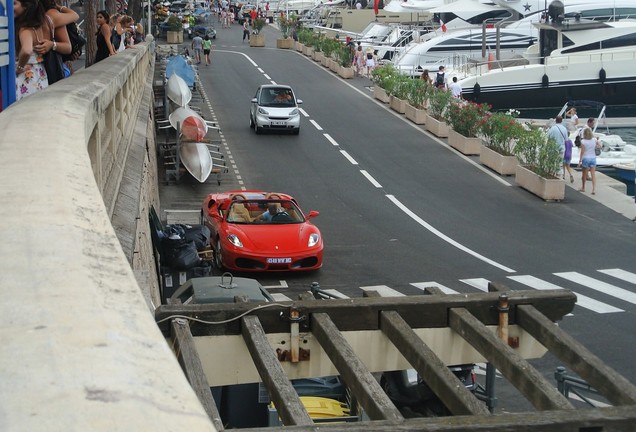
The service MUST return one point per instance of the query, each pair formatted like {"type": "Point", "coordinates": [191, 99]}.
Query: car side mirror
{"type": "Point", "coordinates": [299, 101]}
{"type": "Point", "coordinates": [312, 214]}
{"type": "Point", "coordinates": [253, 100]}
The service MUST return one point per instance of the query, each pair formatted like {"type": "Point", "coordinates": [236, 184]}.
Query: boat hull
{"type": "Point", "coordinates": [191, 124]}
{"type": "Point", "coordinates": [529, 95]}
{"type": "Point", "coordinates": [196, 158]}
{"type": "Point", "coordinates": [178, 91]}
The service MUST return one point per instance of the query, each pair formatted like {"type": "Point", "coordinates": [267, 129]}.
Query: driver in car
{"type": "Point", "coordinates": [267, 216]}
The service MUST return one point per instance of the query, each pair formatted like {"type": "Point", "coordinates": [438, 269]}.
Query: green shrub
{"type": "Point", "coordinates": [500, 132]}
{"type": "Point", "coordinates": [438, 100]}
{"type": "Point", "coordinates": [418, 90]}
{"type": "Point", "coordinates": [258, 25]}
{"type": "Point", "coordinates": [345, 56]}
{"type": "Point", "coordinates": [383, 75]}
{"type": "Point", "coordinates": [538, 153]}
{"type": "Point", "coordinates": [466, 118]}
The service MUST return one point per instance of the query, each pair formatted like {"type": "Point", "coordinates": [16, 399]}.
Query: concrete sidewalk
{"type": "Point", "coordinates": [609, 192]}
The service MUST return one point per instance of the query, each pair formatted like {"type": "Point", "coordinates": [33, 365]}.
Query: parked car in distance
{"type": "Point", "coordinates": [202, 30]}
{"type": "Point", "coordinates": [255, 230]}
{"type": "Point", "coordinates": [275, 108]}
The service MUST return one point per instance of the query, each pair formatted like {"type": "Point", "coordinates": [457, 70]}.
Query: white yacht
{"type": "Point", "coordinates": [457, 46]}
{"type": "Point", "coordinates": [572, 60]}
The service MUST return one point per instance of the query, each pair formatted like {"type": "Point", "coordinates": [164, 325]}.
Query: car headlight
{"type": "Point", "coordinates": [294, 112]}
{"type": "Point", "coordinates": [313, 240]}
{"type": "Point", "coordinates": [233, 238]}
{"type": "Point", "coordinates": [262, 110]}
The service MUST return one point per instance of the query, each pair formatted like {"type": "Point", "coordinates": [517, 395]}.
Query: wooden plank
{"type": "Point", "coordinates": [612, 419]}
{"type": "Point", "coordinates": [424, 311]}
{"type": "Point", "coordinates": [290, 408]}
{"type": "Point", "coordinates": [617, 389]}
{"type": "Point", "coordinates": [516, 369]}
{"type": "Point", "coordinates": [435, 373]}
{"type": "Point", "coordinates": [352, 371]}
{"type": "Point", "coordinates": [188, 357]}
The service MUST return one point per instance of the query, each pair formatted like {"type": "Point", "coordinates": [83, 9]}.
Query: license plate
{"type": "Point", "coordinates": [279, 260]}
{"type": "Point", "coordinates": [279, 123]}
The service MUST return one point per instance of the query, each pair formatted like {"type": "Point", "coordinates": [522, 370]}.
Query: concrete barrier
{"type": "Point", "coordinates": [81, 350]}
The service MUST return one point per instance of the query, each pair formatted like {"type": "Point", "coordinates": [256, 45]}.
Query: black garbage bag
{"type": "Point", "coordinates": [179, 254]}
{"type": "Point", "coordinates": [199, 234]}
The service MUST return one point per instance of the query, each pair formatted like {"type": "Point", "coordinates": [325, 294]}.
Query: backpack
{"type": "Point", "coordinates": [439, 80]}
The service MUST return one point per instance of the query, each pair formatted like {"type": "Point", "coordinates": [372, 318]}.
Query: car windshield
{"type": "Point", "coordinates": [264, 212]}
{"type": "Point", "coordinates": [277, 97]}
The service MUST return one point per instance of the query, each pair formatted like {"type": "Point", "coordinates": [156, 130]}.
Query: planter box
{"type": "Point", "coordinates": [284, 43]}
{"type": "Point", "coordinates": [504, 165]}
{"type": "Point", "coordinates": [324, 61]}
{"type": "Point", "coordinates": [333, 66]}
{"type": "Point", "coordinates": [547, 189]}
{"type": "Point", "coordinates": [298, 46]}
{"type": "Point", "coordinates": [436, 127]}
{"type": "Point", "coordinates": [397, 104]}
{"type": "Point", "coordinates": [308, 51]}
{"type": "Point", "coordinates": [318, 56]}
{"type": "Point", "coordinates": [346, 72]}
{"type": "Point", "coordinates": [175, 37]}
{"type": "Point", "coordinates": [467, 146]}
{"type": "Point", "coordinates": [416, 115]}
{"type": "Point", "coordinates": [380, 94]}
{"type": "Point", "coordinates": [257, 40]}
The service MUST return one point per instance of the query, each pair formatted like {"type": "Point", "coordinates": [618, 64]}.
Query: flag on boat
{"type": "Point", "coordinates": [376, 6]}
{"type": "Point", "coordinates": [443, 26]}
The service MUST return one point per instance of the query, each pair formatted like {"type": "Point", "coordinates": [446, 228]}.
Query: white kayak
{"type": "Point", "coordinates": [191, 124]}
{"type": "Point", "coordinates": [178, 90]}
{"type": "Point", "coordinates": [196, 158]}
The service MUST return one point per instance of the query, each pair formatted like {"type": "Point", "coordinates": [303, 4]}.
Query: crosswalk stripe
{"type": "Point", "coordinates": [600, 286]}
{"type": "Point", "coordinates": [479, 283]}
{"type": "Point", "coordinates": [336, 293]}
{"type": "Point", "coordinates": [280, 297]}
{"type": "Point", "coordinates": [621, 274]}
{"type": "Point", "coordinates": [424, 285]}
{"type": "Point", "coordinates": [583, 301]}
{"type": "Point", "coordinates": [383, 290]}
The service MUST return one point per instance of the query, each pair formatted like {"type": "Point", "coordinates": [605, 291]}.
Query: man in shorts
{"type": "Point", "coordinates": [197, 47]}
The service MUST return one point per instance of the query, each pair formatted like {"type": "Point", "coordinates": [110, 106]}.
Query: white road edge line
{"type": "Point", "coordinates": [371, 179]}
{"type": "Point", "coordinates": [444, 237]}
{"type": "Point", "coordinates": [303, 112]}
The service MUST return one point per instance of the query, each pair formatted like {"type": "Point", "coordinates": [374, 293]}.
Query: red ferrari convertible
{"type": "Point", "coordinates": [261, 231]}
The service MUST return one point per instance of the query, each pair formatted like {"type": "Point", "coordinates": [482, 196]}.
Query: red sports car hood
{"type": "Point", "coordinates": [275, 237]}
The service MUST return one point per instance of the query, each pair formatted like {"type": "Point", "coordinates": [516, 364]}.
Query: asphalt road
{"type": "Point", "coordinates": [400, 209]}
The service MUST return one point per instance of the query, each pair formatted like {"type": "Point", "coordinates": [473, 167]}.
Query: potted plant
{"type": "Point", "coordinates": [345, 60]}
{"type": "Point", "coordinates": [414, 109]}
{"type": "Point", "coordinates": [175, 29]}
{"type": "Point", "coordinates": [286, 25]}
{"type": "Point", "coordinates": [500, 132]}
{"type": "Point", "coordinates": [309, 41]}
{"type": "Point", "coordinates": [257, 39]}
{"type": "Point", "coordinates": [438, 100]}
{"type": "Point", "coordinates": [383, 77]}
{"type": "Point", "coordinates": [465, 120]}
{"type": "Point", "coordinates": [303, 35]}
{"type": "Point", "coordinates": [317, 44]}
{"type": "Point", "coordinates": [398, 93]}
{"type": "Point", "coordinates": [328, 47]}
{"type": "Point", "coordinates": [540, 161]}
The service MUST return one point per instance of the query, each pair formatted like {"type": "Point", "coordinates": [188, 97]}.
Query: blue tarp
{"type": "Point", "coordinates": [180, 66]}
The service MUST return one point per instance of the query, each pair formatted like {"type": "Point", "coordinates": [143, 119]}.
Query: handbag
{"type": "Point", "coordinates": [52, 60]}
{"type": "Point", "coordinates": [77, 42]}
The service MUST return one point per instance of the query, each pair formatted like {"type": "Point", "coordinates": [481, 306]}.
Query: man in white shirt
{"type": "Point", "coordinates": [456, 89]}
